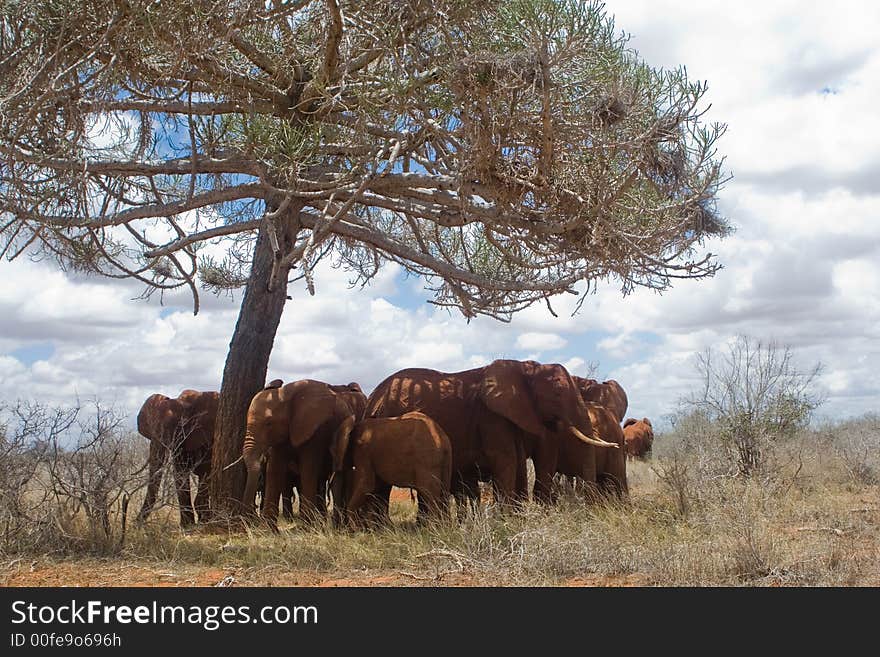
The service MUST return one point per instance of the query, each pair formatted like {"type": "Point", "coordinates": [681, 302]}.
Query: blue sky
{"type": "Point", "coordinates": [803, 266]}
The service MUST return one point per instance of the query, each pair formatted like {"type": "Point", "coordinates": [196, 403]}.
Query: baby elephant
{"type": "Point", "coordinates": [410, 451]}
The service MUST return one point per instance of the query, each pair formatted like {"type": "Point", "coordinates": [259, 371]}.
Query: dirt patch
{"type": "Point", "coordinates": [381, 580]}
{"type": "Point", "coordinates": [96, 572]}
{"type": "Point", "coordinates": [402, 494]}
{"type": "Point", "coordinates": [107, 573]}
{"type": "Point", "coordinates": [632, 579]}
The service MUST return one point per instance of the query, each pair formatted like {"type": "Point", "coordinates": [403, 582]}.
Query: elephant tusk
{"type": "Point", "coordinates": [592, 441]}
{"type": "Point", "coordinates": [233, 463]}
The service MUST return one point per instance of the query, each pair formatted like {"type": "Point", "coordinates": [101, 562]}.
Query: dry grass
{"type": "Point", "coordinates": [814, 519]}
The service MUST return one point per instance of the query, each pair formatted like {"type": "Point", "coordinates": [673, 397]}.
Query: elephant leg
{"type": "Point", "coordinates": [155, 462]}
{"type": "Point", "coordinates": [202, 503]}
{"type": "Point", "coordinates": [504, 464]}
{"type": "Point", "coordinates": [377, 506]}
{"type": "Point", "coordinates": [287, 497]}
{"type": "Point", "coordinates": [323, 502]}
{"type": "Point", "coordinates": [310, 492]}
{"type": "Point", "coordinates": [338, 489]}
{"type": "Point", "coordinates": [545, 460]}
{"type": "Point", "coordinates": [184, 492]}
{"type": "Point", "coordinates": [521, 487]}
{"type": "Point", "coordinates": [466, 490]}
{"type": "Point", "coordinates": [276, 471]}
{"type": "Point", "coordinates": [611, 486]}
{"type": "Point", "coordinates": [431, 498]}
{"type": "Point", "coordinates": [441, 504]}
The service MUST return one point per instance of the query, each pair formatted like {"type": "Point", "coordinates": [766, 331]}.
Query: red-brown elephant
{"type": "Point", "coordinates": [639, 437]}
{"type": "Point", "coordinates": [609, 394]}
{"type": "Point", "coordinates": [296, 422]}
{"type": "Point", "coordinates": [603, 468]}
{"type": "Point", "coordinates": [610, 463]}
{"type": "Point", "coordinates": [185, 427]}
{"type": "Point", "coordinates": [410, 451]}
{"type": "Point", "coordinates": [495, 416]}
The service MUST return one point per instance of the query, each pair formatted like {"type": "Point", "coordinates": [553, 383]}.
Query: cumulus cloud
{"type": "Point", "coordinates": [540, 341]}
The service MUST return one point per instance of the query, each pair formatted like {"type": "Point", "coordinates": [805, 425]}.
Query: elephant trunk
{"type": "Point", "coordinates": [339, 452]}
{"type": "Point", "coordinates": [340, 442]}
{"type": "Point", "coordinates": [252, 454]}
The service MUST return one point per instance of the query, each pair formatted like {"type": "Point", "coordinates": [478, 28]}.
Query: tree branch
{"type": "Point", "coordinates": [213, 197]}
{"type": "Point", "coordinates": [182, 166]}
{"type": "Point", "coordinates": [162, 106]}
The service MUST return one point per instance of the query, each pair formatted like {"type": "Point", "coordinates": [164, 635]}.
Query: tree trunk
{"type": "Point", "coordinates": [246, 365]}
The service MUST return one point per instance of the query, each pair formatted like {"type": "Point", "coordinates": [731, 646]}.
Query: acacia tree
{"type": "Point", "coordinates": [505, 151]}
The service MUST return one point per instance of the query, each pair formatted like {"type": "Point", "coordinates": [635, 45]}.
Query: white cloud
{"type": "Point", "coordinates": [540, 341]}
{"type": "Point", "coordinates": [622, 345]}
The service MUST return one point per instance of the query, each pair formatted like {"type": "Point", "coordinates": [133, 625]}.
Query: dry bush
{"type": "Point", "coordinates": [689, 460]}
{"type": "Point", "coordinates": [67, 478]}
{"type": "Point", "coordinates": [22, 519]}
{"type": "Point", "coordinates": [857, 445]}
{"type": "Point", "coordinates": [755, 396]}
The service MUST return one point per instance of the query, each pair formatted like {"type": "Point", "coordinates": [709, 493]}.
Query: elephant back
{"type": "Point", "coordinates": [420, 389]}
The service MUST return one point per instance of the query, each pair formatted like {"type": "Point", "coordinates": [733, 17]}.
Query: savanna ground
{"type": "Point", "coordinates": [809, 517]}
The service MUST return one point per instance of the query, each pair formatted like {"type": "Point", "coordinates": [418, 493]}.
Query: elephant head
{"type": "Point", "coordinates": [543, 401]}
{"type": "Point", "coordinates": [538, 398]}
{"type": "Point", "coordinates": [354, 396]}
{"type": "Point", "coordinates": [293, 419]}
{"type": "Point", "coordinates": [158, 419]}
{"type": "Point", "coordinates": [609, 394]}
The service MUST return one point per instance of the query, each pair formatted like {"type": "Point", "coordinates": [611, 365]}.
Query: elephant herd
{"type": "Point", "coordinates": [438, 433]}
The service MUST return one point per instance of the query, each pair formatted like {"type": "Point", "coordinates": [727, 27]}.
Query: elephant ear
{"type": "Point", "coordinates": [149, 417]}
{"type": "Point", "coordinates": [340, 442]}
{"type": "Point", "coordinates": [629, 422]}
{"type": "Point", "coordinates": [505, 392]}
{"type": "Point", "coordinates": [311, 406]}
{"type": "Point", "coordinates": [197, 418]}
